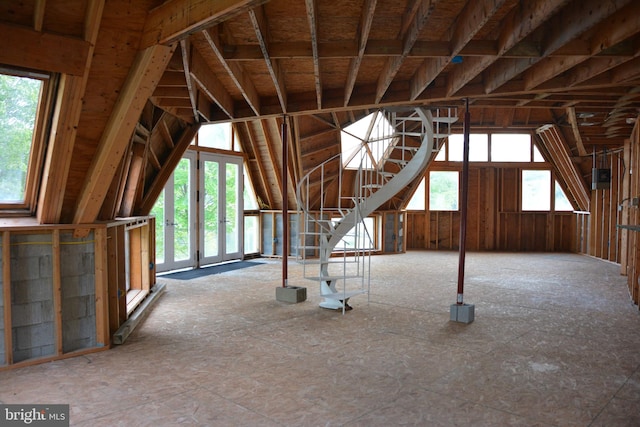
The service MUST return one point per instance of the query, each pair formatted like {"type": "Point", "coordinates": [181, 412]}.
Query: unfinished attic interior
{"type": "Point", "coordinates": [142, 137]}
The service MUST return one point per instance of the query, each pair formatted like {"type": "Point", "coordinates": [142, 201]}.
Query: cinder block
{"type": "Point", "coordinates": [25, 269]}
{"type": "Point", "coordinates": [25, 292]}
{"type": "Point", "coordinates": [292, 294]}
{"type": "Point", "coordinates": [29, 337]}
{"type": "Point", "coordinates": [26, 314]}
{"type": "Point", "coordinates": [463, 313]}
{"type": "Point", "coordinates": [78, 334]}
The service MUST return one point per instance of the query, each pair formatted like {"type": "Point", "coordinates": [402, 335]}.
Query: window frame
{"type": "Point", "coordinates": [41, 132]}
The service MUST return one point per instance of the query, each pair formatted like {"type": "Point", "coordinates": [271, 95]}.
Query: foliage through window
{"type": "Point", "coordinates": [536, 190]}
{"type": "Point", "coordinates": [216, 135]}
{"type": "Point", "coordinates": [443, 190]}
{"type": "Point", "coordinates": [19, 101]}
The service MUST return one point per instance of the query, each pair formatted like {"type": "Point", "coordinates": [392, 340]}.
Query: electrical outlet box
{"type": "Point", "coordinates": [600, 179]}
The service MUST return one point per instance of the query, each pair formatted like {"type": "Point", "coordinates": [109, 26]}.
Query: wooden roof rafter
{"type": "Point", "coordinates": [312, 11]}
{"type": "Point", "coordinates": [209, 84]}
{"type": "Point", "coordinates": [235, 71]}
{"type": "Point", "coordinates": [366, 19]}
{"type": "Point", "coordinates": [260, 26]}
{"type": "Point", "coordinates": [414, 23]}
{"type": "Point", "coordinates": [185, 49]}
{"type": "Point", "coordinates": [471, 20]}
{"type": "Point", "coordinates": [522, 21]}
{"type": "Point", "coordinates": [174, 20]}
{"type": "Point", "coordinates": [558, 33]}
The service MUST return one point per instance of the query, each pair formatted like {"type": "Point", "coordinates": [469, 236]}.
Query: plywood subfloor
{"type": "Point", "coordinates": [556, 342]}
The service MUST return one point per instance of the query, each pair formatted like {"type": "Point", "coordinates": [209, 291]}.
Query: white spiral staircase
{"type": "Point", "coordinates": [334, 242]}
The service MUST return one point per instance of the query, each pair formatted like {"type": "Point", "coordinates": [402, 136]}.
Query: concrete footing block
{"type": "Point", "coordinates": [462, 313]}
{"type": "Point", "coordinates": [292, 294]}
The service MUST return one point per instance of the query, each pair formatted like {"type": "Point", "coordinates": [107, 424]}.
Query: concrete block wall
{"type": "Point", "coordinates": [77, 277]}
{"type": "Point", "coordinates": [32, 313]}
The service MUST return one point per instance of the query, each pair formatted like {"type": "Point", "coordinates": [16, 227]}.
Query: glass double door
{"type": "Point", "coordinates": [199, 214]}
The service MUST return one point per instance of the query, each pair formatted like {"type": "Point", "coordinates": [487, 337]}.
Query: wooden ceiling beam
{"type": "Point", "coordinates": [619, 27]}
{"type": "Point", "coordinates": [236, 72]}
{"type": "Point", "coordinates": [573, 121]}
{"type": "Point", "coordinates": [209, 84]}
{"type": "Point", "coordinates": [522, 21]}
{"type": "Point", "coordinates": [176, 19]}
{"type": "Point", "coordinates": [143, 77]}
{"type": "Point", "coordinates": [185, 50]}
{"type": "Point", "coordinates": [413, 26]}
{"type": "Point", "coordinates": [366, 19]}
{"type": "Point", "coordinates": [572, 21]}
{"type": "Point", "coordinates": [313, 30]}
{"type": "Point", "coordinates": [44, 51]}
{"type": "Point", "coordinates": [260, 26]}
{"type": "Point", "coordinates": [38, 14]}
{"type": "Point", "coordinates": [66, 116]}
{"type": "Point", "coordinates": [169, 165]}
{"type": "Point", "coordinates": [471, 19]}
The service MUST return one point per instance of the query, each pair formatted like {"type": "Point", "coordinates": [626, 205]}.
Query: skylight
{"type": "Point", "coordinates": [373, 131]}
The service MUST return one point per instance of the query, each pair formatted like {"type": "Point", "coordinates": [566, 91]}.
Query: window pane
{"type": "Point", "coordinates": [456, 147]}
{"type": "Point", "coordinates": [251, 234]}
{"type": "Point", "coordinates": [249, 195]}
{"type": "Point", "coordinates": [158, 212]}
{"type": "Point", "coordinates": [478, 147]}
{"type": "Point", "coordinates": [442, 153]}
{"type": "Point", "coordinates": [443, 191]}
{"type": "Point", "coordinates": [19, 98]}
{"type": "Point", "coordinates": [561, 201]}
{"type": "Point", "coordinates": [537, 155]}
{"type": "Point", "coordinates": [536, 190]}
{"type": "Point", "coordinates": [417, 202]}
{"type": "Point", "coordinates": [353, 137]}
{"type": "Point", "coordinates": [510, 147]}
{"type": "Point", "coordinates": [215, 136]}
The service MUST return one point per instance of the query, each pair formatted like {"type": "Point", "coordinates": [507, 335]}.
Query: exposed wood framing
{"type": "Point", "coordinates": [415, 23]}
{"type": "Point", "coordinates": [6, 296]}
{"type": "Point", "coordinates": [561, 160]}
{"type": "Point", "coordinates": [156, 187]}
{"type": "Point", "coordinates": [235, 71]}
{"type": "Point", "coordinates": [185, 50]}
{"type": "Point", "coordinates": [31, 49]}
{"type": "Point", "coordinates": [468, 23]}
{"type": "Point", "coordinates": [57, 290]}
{"type": "Point", "coordinates": [588, 12]}
{"type": "Point", "coordinates": [209, 84]}
{"type": "Point", "coordinates": [143, 78]}
{"type": "Point", "coordinates": [366, 20]}
{"type": "Point", "coordinates": [64, 126]}
{"type": "Point", "coordinates": [38, 14]}
{"type": "Point", "coordinates": [176, 19]}
{"type": "Point", "coordinates": [260, 26]}
{"type": "Point", "coordinates": [312, 9]}
{"type": "Point", "coordinates": [571, 116]}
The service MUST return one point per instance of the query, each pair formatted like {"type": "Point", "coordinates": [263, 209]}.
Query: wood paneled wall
{"type": "Point", "coordinates": [495, 220]}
